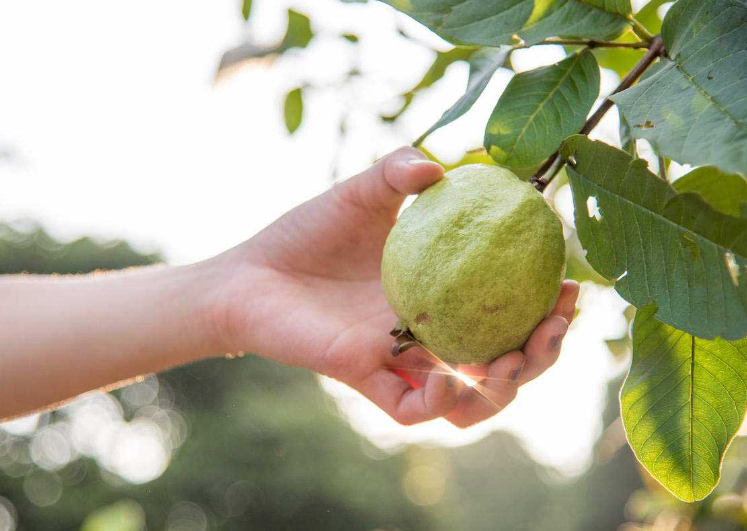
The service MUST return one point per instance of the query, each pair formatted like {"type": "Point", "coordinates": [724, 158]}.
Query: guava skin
{"type": "Point", "coordinates": [474, 264]}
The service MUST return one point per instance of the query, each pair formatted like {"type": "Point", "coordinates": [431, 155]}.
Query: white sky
{"type": "Point", "coordinates": [119, 131]}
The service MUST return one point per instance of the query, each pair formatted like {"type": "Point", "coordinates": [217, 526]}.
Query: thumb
{"type": "Point", "coordinates": [395, 176]}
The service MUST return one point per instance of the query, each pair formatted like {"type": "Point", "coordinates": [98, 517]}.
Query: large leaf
{"type": "Point", "coordinates": [482, 66]}
{"type": "Point", "coordinates": [293, 110]}
{"type": "Point", "coordinates": [663, 247]}
{"type": "Point", "coordinates": [682, 404]}
{"type": "Point", "coordinates": [435, 72]}
{"type": "Point", "coordinates": [694, 109]}
{"type": "Point", "coordinates": [540, 108]}
{"type": "Point", "coordinates": [726, 192]}
{"type": "Point", "coordinates": [590, 19]}
{"type": "Point", "coordinates": [496, 22]}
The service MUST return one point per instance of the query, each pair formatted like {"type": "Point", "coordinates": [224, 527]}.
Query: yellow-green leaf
{"type": "Point", "coordinates": [682, 404]}
{"type": "Point", "coordinates": [293, 110]}
{"type": "Point", "coordinates": [726, 192]}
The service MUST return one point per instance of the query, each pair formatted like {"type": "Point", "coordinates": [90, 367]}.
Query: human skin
{"type": "Point", "coordinates": [306, 291]}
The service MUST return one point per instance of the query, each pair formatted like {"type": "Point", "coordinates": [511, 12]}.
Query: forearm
{"type": "Point", "coordinates": [62, 336]}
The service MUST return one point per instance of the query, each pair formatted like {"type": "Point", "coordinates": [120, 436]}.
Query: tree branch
{"type": "Point", "coordinates": [656, 49]}
{"type": "Point", "coordinates": [584, 42]}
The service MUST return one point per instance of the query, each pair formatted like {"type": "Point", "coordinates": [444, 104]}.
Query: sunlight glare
{"type": "Point", "coordinates": [469, 382]}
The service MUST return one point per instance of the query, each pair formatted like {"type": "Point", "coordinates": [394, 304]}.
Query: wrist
{"type": "Point", "coordinates": [228, 300]}
{"type": "Point", "coordinates": [202, 287]}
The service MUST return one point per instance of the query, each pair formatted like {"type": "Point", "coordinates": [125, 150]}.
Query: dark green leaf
{"type": "Point", "coordinates": [726, 192]}
{"type": "Point", "coordinates": [482, 66]}
{"type": "Point", "coordinates": [540, 108]}
{"type": "Point", "coordinates": [626, 137]}
{"type": "Point", "coordinates": [435, 72]}
{"type": "Point", "coordinates": [496, 22]}
{"type": "Point", "coordinates": [682, 404]}
{"type": "Point", "coordinates": [662, 247]}
{"type": "Point", "coordinates": [589, 19]}
{"type": "Point", "coordinates": [693, 109]}
{"type": "Point", "coordinates": [246, 9]}
{"type": "Point", "coordinates": [293, 110]}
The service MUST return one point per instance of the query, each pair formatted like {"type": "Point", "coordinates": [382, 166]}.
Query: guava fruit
{"type": "Point", "coordinates": [474, 264]}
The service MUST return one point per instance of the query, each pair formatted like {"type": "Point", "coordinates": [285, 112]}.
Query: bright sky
{"type": "Point", "coordinates": [118, 130]}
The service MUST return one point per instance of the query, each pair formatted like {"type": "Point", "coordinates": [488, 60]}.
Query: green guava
{"type": "Point", "coordinates": [474, 264]}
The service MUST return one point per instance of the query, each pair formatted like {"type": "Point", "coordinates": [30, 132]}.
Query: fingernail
{"type": "Point", "coordinates": [416, 162]}
{"type": "Point", "coordinates": [555, 341]}
{"type": "Point", "coordinates": [451, 381]}
{"type": "Point", "coordinates": [515, 374]}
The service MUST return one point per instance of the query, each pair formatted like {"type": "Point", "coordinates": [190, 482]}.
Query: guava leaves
{"type": "Point", "coordinates": [435, 72]}
{"type": "Point", "coordinates": [682, 404]}
{"type": "Point", "coordinates": [588, 19]}
{"type": "Point", "coordinates": [541, 107]}
{"type": "Point", "coordinates": [662, 247]}
{"type": "Point", "coordinates": [246, 8]}
{"type": "Point", "coordinates": [726, 192]}
{"type": "Point", "coordinates": [482, 66]}
{"type": "Point", "coordinates": [627, 140]}
{"type": "Point", "coordinates": [694, 109]}
{"type": "Point", "coordinates": [293, 110]}
{"type": "Point", "coordinates": [297, 35]}
{"type": "Point", "coordinates": [496, 22]}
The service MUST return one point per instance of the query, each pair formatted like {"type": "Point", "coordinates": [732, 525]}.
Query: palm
{"type": "Point", "coordinates": [333, 285]}
{"type": "Point", "coordinates": [307, 292]}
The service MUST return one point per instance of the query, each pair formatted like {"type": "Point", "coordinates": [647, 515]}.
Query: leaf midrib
{"type": "Point", "coordinates": [691, 79]}
{"type": "Point", "coordinates": [544, 102]}
{"type": "Point", "coordinates": [691, 414]}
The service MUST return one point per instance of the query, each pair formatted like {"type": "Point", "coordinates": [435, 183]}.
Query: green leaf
{"type": "Point", "coordinates": [589, 19]}
{"type": "Point", "coordinates": [246, 9]}
{"type": "Point", "coordinates": [661, 246]}
{"type": "Point", "coordinates": [435, 72]}
{"type": "Point", "coordinates": [482, 66]}
{"type": "Point", "coordinates": [682, 404]}
{"type": "Point", "coordinates": [626, 138]}
{"type": "Point", "coordinates": [726, 192]}
{"type": "Point", "coordinates": [293, 110]}
{"type": "Point", "coordinates": [649, 16]}
{"type": "Point", "coordinates": [693, 109]}
{"type": "Point", "coordinates": [297, 35]}
{"type": "Point", "coordinates": [350, 37]}
{"type": "Point", "coordinates": [540, 108]}
{"type": "Point", "coordinates": [496, 22]}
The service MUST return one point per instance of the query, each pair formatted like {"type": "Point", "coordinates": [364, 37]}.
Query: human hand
{"type": "Point", "coordinates": [307, 292]}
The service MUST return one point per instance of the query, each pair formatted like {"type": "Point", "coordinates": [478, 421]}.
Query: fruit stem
{"type": "Point", "coordinates": [656, 50]}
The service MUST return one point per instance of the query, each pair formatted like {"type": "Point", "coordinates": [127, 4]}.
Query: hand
{"type": "Point", "coordinates": [306, 291]}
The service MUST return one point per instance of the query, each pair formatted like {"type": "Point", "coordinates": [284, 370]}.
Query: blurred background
{"type": "Point", "coordinates": [141, 132]}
